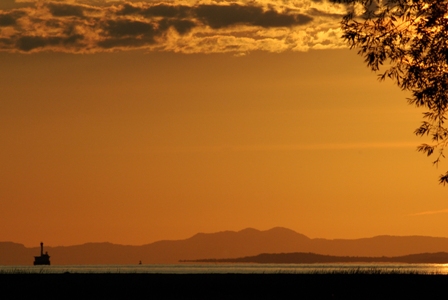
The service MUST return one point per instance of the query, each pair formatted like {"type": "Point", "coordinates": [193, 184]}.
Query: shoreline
{"type": "Point", "coordinates": [226, 286]}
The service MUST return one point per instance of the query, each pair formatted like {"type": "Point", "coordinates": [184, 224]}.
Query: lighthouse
{"type": "Point", "coordinates": [43, 259]}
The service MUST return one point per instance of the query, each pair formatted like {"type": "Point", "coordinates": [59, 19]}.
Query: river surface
{"type": "Point", "coordinates": [369, 268]}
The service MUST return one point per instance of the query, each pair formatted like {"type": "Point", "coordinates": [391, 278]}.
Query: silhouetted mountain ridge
{"type": "Point", "coordinates": [222, 245]}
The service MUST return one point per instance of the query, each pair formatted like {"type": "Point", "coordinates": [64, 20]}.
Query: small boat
{"type": "Point", "coordinates": [43, 259]}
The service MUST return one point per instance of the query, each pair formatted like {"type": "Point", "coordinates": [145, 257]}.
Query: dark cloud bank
{"type": "Point", "coordinates": [83, 28]}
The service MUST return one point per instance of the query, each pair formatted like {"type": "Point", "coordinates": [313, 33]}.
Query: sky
{"type": "Point", "coordinates": [136, 121]}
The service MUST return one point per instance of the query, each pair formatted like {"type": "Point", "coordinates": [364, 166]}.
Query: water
{"type": "Point", "coordinates": [234, 268]}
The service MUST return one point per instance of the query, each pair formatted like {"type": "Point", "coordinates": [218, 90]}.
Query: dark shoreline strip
{"type": "Point", "coordinates": [225, 286]}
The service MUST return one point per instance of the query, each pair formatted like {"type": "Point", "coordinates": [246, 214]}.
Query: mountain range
{"type": "Point", "coordinates": [223, 245]}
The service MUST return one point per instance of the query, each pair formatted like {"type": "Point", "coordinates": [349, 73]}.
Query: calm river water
{"type": "Point", "coordinates": [234, 268]}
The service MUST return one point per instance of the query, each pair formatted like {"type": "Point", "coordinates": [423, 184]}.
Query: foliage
{"type": "Point", "coordinates": [406, 41]}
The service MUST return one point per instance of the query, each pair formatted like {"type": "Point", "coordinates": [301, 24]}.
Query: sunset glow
{"type": "Point", "coordinates": [137, 121]}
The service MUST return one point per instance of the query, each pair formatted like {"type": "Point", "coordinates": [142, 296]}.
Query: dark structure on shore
{"type": "Point", "coordinates": [43, 259]}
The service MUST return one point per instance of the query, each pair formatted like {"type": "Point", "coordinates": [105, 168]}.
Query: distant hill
{"type": "Point", "coordinates": [310, 258]}
{"type": "Point", "coordinates": [221, 245]}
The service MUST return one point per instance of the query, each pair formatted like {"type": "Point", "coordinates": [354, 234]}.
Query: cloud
{"type": "Point", "coordinates": [28, 43]}
{"type": "Point", "coordinates": [157, 10]}
{"type": "Point", "coordinates": [10, 19]}
{"type": "Point", "coordinates": [10, 4]}
{"type": "Point", "coordinates": [128, 34]}
{"type": "Point", "coordinates": [219, 16]}
{"type": "Point", "coordinates": [128, 28]}
{"type": "Point", "coordinates": [185, 26]}
{"type": "Point", "coordinates": [285, 147]}
{"type": "Point", "coordinates": [65, 10]}
{"type": "Point", "coordinates": [433, 212]}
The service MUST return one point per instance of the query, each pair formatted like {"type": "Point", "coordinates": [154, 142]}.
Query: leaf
{"type": "Point", "coordinates": [425, 148]}
{"type": "Point", "coordinates": [443, 179]}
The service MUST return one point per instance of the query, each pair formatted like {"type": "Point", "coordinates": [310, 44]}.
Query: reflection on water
{"type": "Point", "coordinates": [371, 268]}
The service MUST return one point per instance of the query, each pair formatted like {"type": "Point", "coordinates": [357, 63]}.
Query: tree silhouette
{"type": "Point", "coordinates": [407, 41]}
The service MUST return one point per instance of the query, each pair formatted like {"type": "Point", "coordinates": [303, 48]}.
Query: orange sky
{"type": "Point", "coordinates": [134, 146]}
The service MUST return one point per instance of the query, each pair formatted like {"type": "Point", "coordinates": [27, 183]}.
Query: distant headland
{"type": "Point", "coordinates": [312, 258]}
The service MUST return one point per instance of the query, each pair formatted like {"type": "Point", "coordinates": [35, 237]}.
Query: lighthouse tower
{"type": "Point", "coordinates": [43, 259]}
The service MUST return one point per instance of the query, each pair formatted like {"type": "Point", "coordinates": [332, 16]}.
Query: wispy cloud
{"type": "Point", "coordinates": [208, 26]}
{"type": "Point", "coordinates": [333, 146]}
{"type": "Point", "coordinates": [285, 147]}
{"type": "Point", "coordinates": [433, 212]}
